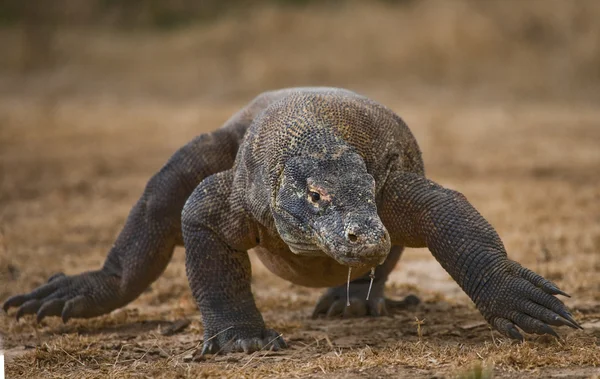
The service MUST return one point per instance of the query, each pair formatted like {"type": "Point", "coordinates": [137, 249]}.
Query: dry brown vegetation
{"type": "Point", "coordinates": [78, 141]}
{"type": "Point", "coordinates": [541, 48]}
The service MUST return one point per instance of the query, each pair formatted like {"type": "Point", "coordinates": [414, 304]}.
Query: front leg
{"type": "Point", "coordinates": [144, 246]}
{"type": "Point", "coordinates": [219, 272]}
{"type": "Point", "coordinates": [422, 213]}
{"type": "Point", "coordinates": [333, 303]}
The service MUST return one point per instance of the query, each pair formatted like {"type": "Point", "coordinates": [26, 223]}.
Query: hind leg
{"type": "Point", "coordinates": [333, 301]}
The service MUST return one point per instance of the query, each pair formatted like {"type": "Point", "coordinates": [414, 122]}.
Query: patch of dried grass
{"type": "Point", "coordinates": [83, 357]}
{"type": "Point", "coordinates": [545, 48]}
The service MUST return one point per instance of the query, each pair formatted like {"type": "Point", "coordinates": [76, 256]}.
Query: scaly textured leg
{"type": "Point", "coordinates": [216, 237]}
{"type": "Point", "coordinates": [421, 213]}
{"type": "Point", "coordinates": [333, 301]}
{"type": "Point", "coordinates": [145, 245]}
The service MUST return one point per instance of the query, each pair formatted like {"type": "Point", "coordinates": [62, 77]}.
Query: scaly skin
{"type": "Point", "coordinates": [315, 180]}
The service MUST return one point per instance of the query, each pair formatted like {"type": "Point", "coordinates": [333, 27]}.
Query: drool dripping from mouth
{"type": "Point", "coordinates": [371, 275]}
{"type": "Point", "coordinates": [348, 287]}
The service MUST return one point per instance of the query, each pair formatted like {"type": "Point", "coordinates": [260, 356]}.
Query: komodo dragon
{"type": "Point", "coordinates": [314, 180]}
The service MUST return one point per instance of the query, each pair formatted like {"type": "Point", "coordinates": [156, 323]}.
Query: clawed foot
{"type": "Point", "coordinates": [86, 295]}
{"type": "Point", "coordinates": [238, 340]}
{"type": "Point", "coordinates": [525, 299]}
{"type": "Point", "coordinates": [334, 302]}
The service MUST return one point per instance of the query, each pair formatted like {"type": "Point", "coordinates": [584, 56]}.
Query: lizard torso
{"type": "Point", "coordinates": [346, 121]}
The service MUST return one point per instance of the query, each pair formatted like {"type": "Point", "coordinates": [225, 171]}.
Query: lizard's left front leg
{"type": "Point", "coordinates": [421, 213]}
{"type": "Point", "coordinates": [219, 273]}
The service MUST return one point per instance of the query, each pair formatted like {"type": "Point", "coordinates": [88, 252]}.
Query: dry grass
{"type": "Point", "coordinates": [78, 142]}
{"type": "Point", "coordinates": [541, 48]}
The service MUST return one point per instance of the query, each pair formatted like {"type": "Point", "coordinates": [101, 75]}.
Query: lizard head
{"type": "Point", "coordinates": [327, 207]}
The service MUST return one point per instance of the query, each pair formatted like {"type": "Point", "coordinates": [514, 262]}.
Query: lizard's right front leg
{"type": "Point", "coordinates": [218, 268]}
{"type": "Point", "coordinates": [144, 246]}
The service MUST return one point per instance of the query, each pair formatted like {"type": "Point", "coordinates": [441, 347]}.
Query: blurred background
{"type": "Point", "coordinates": [221, 50]}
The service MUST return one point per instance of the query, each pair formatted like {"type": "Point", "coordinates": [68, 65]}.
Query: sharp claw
{"type": "Point", "coordinates": [13, 301]}
{"type": "Point", "coordinates": [514, 333]}
{"type": "Point", "coordinates": [273, 341]}
{"type": "Point", "coordinates": [269, 340]}
{"type": "Point", "coordinates": [252, 345]}
{"type": "Point", "coordinates": [569, 317]}
{"type": "Point", "coordinates": [206, 349]}
{"type": "Point", "coordinates": [65, 316]}
{"type": "Point", "coordinates": [569, 323]}
{"type": "Point", "coordinates": [572, 320]}
{"type": "Point", "coordinates": [246, 347]}
{"type": "Point", "coordinates": [50, 308]}
{"type": "Point", "coordinates": [553, 290]}
{"type": "Point", "coordinates": [29, 307]}
{"type": "Point", "coordinates": [39, 316]}
{"type": "Point", "coordinates": [539, 281]}
{"type": "Point", "coordinates": [545, 329]}
{"type": "Point", "coordinates": [281, 343]}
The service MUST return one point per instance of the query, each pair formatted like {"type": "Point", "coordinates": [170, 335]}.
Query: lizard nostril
{"type": "Point", "coordinates": [352, 237]}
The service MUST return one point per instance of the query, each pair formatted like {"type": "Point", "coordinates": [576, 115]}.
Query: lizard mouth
{"type": "Point", "coordinates": [305, 249]}
{"type": "Point", "coordinates": [362, 259]}
{"type": "Point", "coordinates": [359, 255]}
{"type": "Point", "coordinates": [367, 256]}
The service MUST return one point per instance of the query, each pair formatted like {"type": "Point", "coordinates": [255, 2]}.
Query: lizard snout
{"type": "Point", "coordinates": [367, 240]}
{"type": "Point", "coordinates": [365, 231]}
{"type": "Point", "coordinates": [357, 239]}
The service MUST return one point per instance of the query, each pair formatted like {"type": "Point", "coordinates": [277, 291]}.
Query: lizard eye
{"type": "Point", "coordinates": [314, 196]}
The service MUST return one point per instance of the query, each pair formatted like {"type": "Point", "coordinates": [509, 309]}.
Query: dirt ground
{"type": "Point", "coordinates": [72, 169]}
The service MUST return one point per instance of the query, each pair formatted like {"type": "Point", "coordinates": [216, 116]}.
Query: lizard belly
{"type": "Point", "coordinates": [306, 271]}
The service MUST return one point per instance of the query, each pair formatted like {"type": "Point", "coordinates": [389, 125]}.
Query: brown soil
{"type": "Point", "coordinates": [72, 170]}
